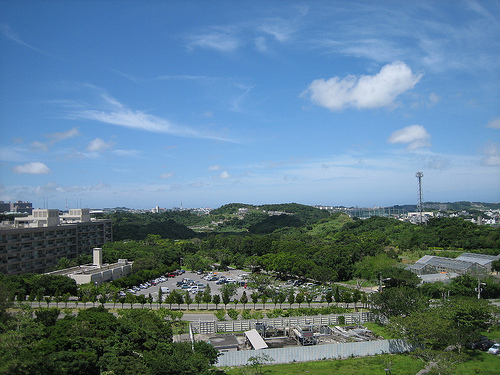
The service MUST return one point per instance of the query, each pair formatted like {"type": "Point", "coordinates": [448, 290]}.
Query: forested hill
{"type": "Point", "coordinates": [227, 219]}
{"type": "Point", "coordinates": [304, 213]}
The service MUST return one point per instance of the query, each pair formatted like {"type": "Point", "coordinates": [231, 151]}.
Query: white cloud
{"type": "Point", "coordinates": [98, 145]}
{"type": "Point", "coordinates": [279, 29]}
{"type": "Point", "coordinates": [218, 41]}
{"type": "Point", "coordinates": [414, 135]}
{"type": "Point", "coordinates": [115, 113]}
{"type": "Point", "coordinates": [167, 175]}
{"type": "Point", "coordinates": [53, 139]}
{"type": "Point", "coordinates": [59, 136]}
{"type": "Point", "coordinates": [433, 100]}
{"type": "Point", "coordinates": [127, 153]}
{"type": "Point", "coordinates": [492, 154]}
{"type": "Point", "coordinates": [380, 90]}
{"type": "Point", "coordinates": [7, 32]}
{"type": "Point", "coordinates": [494, 123]}
{"type": "Point", "coordinates": [214, 168]}
{"type": "Point", "coordinates": [224, 175]}
{"type": "Point", "coordinates": [32, 168]}
{"type": "Point", "coordinates": [39, 146]}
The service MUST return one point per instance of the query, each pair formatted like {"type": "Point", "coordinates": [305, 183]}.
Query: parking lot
{"type": "Point", "coordinates": [171, 283]}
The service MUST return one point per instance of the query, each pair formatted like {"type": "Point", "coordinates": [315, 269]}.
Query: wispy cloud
{"type": "Point", "coordinates": [166, 175]}
{"type": "Point", "coordinates": [491, 154]}
{"type": "Point", "coordinates": [494, 123]}
{"type": "Point", "coordinates": [10, 34]}
{"type": "Point", "coordinates": [414, 135]}
{"type": "Point", "coordinates": [387, 32]}
{"type": "Point", "coordinates": [219, 41]}
{"type": "Point", "coordinates": [54, 138]}
{"type": "Point", "coordinates": [380, 90]}
{"type": "Point", "coordinates": [281, 30]}
{"type": "Point", "coordinates": [31, 168]}
{"type": "Point", "coordinates": [111, 111]}
{"type": "Point", "coordinates": [98, 145]}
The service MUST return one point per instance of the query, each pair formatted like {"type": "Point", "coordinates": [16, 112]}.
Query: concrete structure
{"type": "Point", "coordinates": [16, 207]}
{"type": "Point", "coordinates": [97, 272]}
{"type": "Point", "coordinates": [224, 343]}
{"type": "Point", "coordinates": [35, 243]}
{"type": "Point", "coordinates": [466, 263]}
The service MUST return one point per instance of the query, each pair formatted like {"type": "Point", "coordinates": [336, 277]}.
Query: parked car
{"type": "Point", "coordinates": [179, 283]}
{"type": "Point", "coordinates": [495, 349]}
{"type": "Point", "coordinates": [484, 343]}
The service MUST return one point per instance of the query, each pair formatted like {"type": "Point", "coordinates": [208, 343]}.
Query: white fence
{"type": "Point", "coordinates": [246, 325]}
{"type": "Point", "coordinates": [317, 352]}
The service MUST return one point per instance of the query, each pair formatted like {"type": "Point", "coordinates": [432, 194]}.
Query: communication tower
{"type": "Point", "coordinates": [419, 176]}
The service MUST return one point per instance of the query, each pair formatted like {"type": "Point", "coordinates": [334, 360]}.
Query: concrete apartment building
{"type": "Point", "coordinates": [35, 243]}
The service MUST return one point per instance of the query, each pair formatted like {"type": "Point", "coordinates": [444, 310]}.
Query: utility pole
{"type": "Point", "coordinates": [419, 176]}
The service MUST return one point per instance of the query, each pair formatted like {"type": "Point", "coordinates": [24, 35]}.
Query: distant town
{"type": "Point", "coordinates": [477, 212]}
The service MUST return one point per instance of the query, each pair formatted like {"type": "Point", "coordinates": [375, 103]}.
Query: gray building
{"type": "Point", "coordinates": [34, 244]}
{"type": "Point", "coordinates": [17, 207]}
{"type": "Point", "coordinates": [467, 263]}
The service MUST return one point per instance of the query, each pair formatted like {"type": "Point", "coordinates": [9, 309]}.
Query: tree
{"type": "Point", "coordinates": [188, 300]}
{"type": "Point", "coordinates": [356, 297]}
{"type": "Point", "coordinates": [47, 316]}
{"type": "Point", "coordinates": [264, 300]}
{"type": "Point", "coordinates": [398, 301]}
{"type": "Point", "coordinates": [102, 300]}
{"type": "Point", "coordinates": [207, 295]}
{"type": "Point", "coordinates": [216, 300]}
{"type": "Point", "coordinates": [310, 296]}
{"type": "Point", "coordinates": [300, 298]}
{"type": "Point", "coordinates": [244, 299]}
{"type": "Point", "coordinates": [130, 298]}
{"type": "Point", "coordinates": [291, 297]}
{"type": "Point", "coordinates": [258, 361]}
{"type": "Point", "coordinates": [226, 297]}
{"type": "Point", "coordinates": [160, 296]}
{"type": "Point", "coordinates": [178, 298]}
{"type": "Point", "coordinates": [198, 298]}
{"type": "Point", "coordinates": [495, 266]}
{"type": "Point", "coordinates": [281, 298]}
{"type": "Point", "coordinates": [150, 300]}
{"type": "Point", "coordinates": [255, 298]}
{"type": "Point", "coordinates": [450, 324]}
{"type": "Point", "coordinates": [329, 297]}
{"type": "Point", "coordinates": [141, 298]}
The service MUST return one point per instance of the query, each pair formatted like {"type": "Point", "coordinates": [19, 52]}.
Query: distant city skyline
{"type": "Point", "coordinates": [335, 103]}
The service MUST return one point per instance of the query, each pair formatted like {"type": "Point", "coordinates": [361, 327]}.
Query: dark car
{"type": "Point", "coordinates": [179, 283]}
{"type": "Point", "coordinates": [484, 343]}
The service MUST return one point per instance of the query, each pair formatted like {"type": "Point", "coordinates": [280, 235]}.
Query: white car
{"type": "Point", "coordinates": [495, 349]}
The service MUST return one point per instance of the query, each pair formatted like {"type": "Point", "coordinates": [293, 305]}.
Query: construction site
{"type": "Point", "coordinates": [282, 332]}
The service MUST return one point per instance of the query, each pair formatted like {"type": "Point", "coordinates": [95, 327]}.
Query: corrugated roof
{"type": "Point", "coordinates": [256, 339]}
{"type": "Point", "coordinates": [482, 259]}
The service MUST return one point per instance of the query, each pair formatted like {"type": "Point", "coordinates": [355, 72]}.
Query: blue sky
{"type": "Point", "coordinates": [146, 103]}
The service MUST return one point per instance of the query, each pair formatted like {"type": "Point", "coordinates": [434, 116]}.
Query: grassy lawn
{"type": "Point", "coordinates": [400, 364]}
